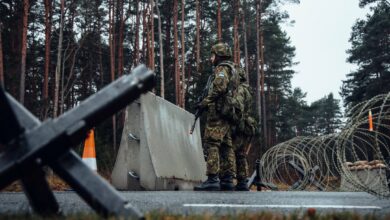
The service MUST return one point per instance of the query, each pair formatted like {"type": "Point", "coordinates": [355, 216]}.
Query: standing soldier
{"type": "Point", "coordinates": [217, 135]}
{"type": "Point", "coordinates": [244, 130]}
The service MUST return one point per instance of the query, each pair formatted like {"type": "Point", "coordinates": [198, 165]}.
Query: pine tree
{"type": "Point", "coordinates": [370, 50]}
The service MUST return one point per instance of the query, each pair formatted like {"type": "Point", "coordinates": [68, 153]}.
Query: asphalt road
{"type": "Point", "coordinates": [189, 202]}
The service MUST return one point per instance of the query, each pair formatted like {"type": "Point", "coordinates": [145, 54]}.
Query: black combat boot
{"type": "Point", "coordinates": [211, 184]}
{"type": "Point", "coordinates": [227, 183]}
{"type": "Point", "coordinates": [242, 185]}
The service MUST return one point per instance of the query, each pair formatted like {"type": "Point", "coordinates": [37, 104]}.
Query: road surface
{"type": "Point", "coordinates": [221, 203]}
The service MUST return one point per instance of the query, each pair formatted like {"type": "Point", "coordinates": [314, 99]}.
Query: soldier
{"type": "Point", "coordinates": [242, 132]}
{"type": "Point", "coordinates": [217, 135]}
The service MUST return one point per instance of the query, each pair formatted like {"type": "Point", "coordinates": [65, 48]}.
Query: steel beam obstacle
{"type": "Point", "coordinates": [256, 180]}
{"type": "Point", "coordinates": [305, 179]}
{"type": "Point", "coordinates": [30, 145]}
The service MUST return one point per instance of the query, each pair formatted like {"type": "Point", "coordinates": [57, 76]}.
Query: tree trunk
{"type": "Point", "coordinates": [147, 40]}
{"type": "Point", "coordinates": [72, 55]}
{"type": "Point", "coordinates": [26, 6]}
{"type": "Point", "coordinates": [136, 41]}
{"type": "Point", "coordinates": [197, 36]}
{"type": "Point", "coordinates": [152, 63]}
{"type": "Point", "coordinates": [176, 54]}
{"type": "Point", "coordinates": [62, 80]}
{"type": "Point", "coordinates": [112, 38]}
{"type": "Point", "coordinates": [235, 32]}
{"type": "Point", "coordinates": [120, 67]}
{"type": "Point", "coordinates": [59, 58]}
{"type": "Point", "coordinates": [168, 35]}
{"type": "Point", "coordinates": [1, 58]}
{"type": "Point", "coordinates": [48, 16]}
{"type": "Point", "coordinates": [183, 58]}
{"type": "Point", "coordinates": [264, 117]}
{"type": "Point", "coordinates": [120, 38]}
{"type": "Point", "coordinates": [219, 22]}
{"type": "Point", "coordinates": [112, 60]}
{"type": "Point", "coordinates": [48, 25]}
{"type": "Point", "coordinates": [162, 84]}
{"type": "Point", "coordinates": [148, 37]}
{"type": "Point", "coordinates": [258, 54]}
{"type": "Point", "coordinates": [101, 65]}
{"type": "Point", "coordinates": [270, 101]}
{"type": "Point", "coordinates": [245, 42]}
{"type": "Point", "coordinates": [144, 35]}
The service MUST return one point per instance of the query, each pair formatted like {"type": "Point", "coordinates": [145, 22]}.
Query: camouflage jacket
{"type": "Point", "coordinates": [219, 86]}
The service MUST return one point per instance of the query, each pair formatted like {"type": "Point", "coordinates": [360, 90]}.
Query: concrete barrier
{"type": "Point", "coordinates": [374, 180]}
{"type": "Point", "coordinates": [156, 151]}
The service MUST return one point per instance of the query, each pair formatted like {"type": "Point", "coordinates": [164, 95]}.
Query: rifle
{"type": "Point", "coordinates": [199, 111]}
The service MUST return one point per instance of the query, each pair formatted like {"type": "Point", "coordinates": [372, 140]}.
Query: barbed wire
{"type": "Point", "coordinates": [355, 159]}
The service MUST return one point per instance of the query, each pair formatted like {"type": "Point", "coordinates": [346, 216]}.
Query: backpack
{"type": "Point", "coordinates": [229, 105]}
{"type": "Point", "coordinates": [247, 124]}
{"type": "Point", "coordinates": [236, 105]}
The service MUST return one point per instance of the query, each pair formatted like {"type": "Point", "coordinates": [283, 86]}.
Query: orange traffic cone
{"type": "Point", "coordinates": [370, 125]}
{"type": "Point", "coordinates": [89, 153]}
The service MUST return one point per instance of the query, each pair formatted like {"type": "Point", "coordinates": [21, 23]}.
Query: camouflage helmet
{"type": "Point", "coordinates": [222, 50]}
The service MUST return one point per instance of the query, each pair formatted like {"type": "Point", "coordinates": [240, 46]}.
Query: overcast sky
{"type": "Point", "coordinates": [320, 34]}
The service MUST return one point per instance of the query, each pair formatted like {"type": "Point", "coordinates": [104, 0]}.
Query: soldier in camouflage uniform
{"type": "Point", "coordinates": [243, 132]}
{"type": "Point", "coordinates": [217, 135]}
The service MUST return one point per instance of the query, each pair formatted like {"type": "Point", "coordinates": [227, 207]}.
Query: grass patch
{"type": "Point", "coordinates": [55, 183]}
{"type": "Point", "coordinates": [266, 216]}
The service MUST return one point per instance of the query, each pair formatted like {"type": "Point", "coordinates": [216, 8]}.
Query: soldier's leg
{"type": "Point", "coordinates": [213, 139]}
{"type": "Point", "coordinates": [228, 164]}
{"type": "Point", "coordinates": [242, 165]}
{"type": "Point", "coordinates": [213, 159]}
{"type": "Point", "coordinates": [242, 162]}
{"type": "Point", "coordinates": [212, 183]}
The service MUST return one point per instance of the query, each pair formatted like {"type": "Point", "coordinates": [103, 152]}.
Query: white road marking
{"type": "Point", "coordinates": [282, 206]}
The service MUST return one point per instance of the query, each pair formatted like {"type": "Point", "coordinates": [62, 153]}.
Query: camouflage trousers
{"type": "Point", "coordinates": [240, 145]}
{"type": "Point", "coordinates": [218, 147]}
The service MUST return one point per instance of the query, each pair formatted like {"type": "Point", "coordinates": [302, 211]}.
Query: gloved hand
{"type": "Point", "coordinates": [201, 105]}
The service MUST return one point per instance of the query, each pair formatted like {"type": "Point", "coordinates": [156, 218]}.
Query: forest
{"type": "Point", "coordinates": [56, 53]}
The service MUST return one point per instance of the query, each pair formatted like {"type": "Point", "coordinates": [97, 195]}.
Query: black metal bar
{"type": "Point", "coordinates": [38, 191]}
{"type": "Point", "coordinates": [31, 144]}
{"type": "Point", "coordinates": [256, 179]}
{"type": "Point", "coordinates": [33, 179]}
{"type": "Point", "coordinates": [25, 118]}
{"type": "Point", "coordinates": [301, 174]}
{"type": "Point", "coordinates": [9, 169]}
{"type": "Point", "coordinates": [71, 127]}
{"type": "Point", "coordinates": [251, 180]}
{"type": "Point", "coordinates": [98, 193]}
{"type": "Point", "coordinates": [312, 178]}
{"type": "Point", "coordinates": [258, 175]}
{"type": "Point", "coordinates": [9, 125]}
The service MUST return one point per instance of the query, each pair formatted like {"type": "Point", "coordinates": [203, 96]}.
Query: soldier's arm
{"type": "Point", "coordinates": [219, 86]}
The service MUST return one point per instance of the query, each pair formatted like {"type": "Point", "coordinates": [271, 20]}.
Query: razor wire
{"type": "Point", "coordinates": [355, 159]}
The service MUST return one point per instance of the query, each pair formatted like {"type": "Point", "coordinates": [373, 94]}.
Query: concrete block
{"type": "Point", "coordinates": [156, 151]}
{"type": "Point", "coordinates": [374, 180]}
